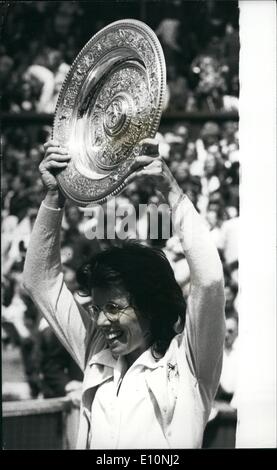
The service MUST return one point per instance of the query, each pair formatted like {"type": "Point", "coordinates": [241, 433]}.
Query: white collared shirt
{"type": "Point", "coordinates": [157, 404]}
{"type": "Point", "coordinates": [119, 408]}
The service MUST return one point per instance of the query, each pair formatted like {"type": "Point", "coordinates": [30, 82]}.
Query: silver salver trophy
{"type": "Point", "coordinates": [112, 98]}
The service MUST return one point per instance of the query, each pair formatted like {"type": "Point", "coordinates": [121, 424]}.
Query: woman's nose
{"type": "Point", "coordinates": [102, 320]}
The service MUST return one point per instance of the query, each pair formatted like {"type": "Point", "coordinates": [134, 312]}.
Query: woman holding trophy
{"type": "Point", "coordinates": [151, 363]}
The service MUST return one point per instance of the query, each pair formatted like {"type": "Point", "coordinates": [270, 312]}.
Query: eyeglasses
{"type": "Point", "coordinates": [111, 311]}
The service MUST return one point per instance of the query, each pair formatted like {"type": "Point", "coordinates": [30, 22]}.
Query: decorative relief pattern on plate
{"type": "Point", "coordinates": [112, 98]}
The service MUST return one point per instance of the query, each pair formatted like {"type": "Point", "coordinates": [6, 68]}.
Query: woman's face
{"type": "Point", "coordinates": [73, 216]}
{"type": "Point", "coordinates": [17, 184]}
{"type": "Point", "coordinates": [210, 164]}
{"type": "Point", "coordinates": [190, 154]}
{"type": "Point", "coordinates": [182, 172]}
{"type": "Point", "coordinates": [231, 332]}
{"type": "Point", "coordinates": [129, 334]}
{"type": "Point", "coordinates": [212, 218]}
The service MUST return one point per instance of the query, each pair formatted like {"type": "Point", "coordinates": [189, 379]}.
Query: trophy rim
{"type": "Point", "coordinates": [116, 183]}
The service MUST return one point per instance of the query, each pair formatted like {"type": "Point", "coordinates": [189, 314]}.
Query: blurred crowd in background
{"type": "Point", "coordinates": [41, 41]}
{"type": "Point", "coordinates": [200, 40]}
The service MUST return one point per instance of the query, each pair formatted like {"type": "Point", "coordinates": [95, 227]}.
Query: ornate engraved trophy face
{"type": "Point", "coordinates": [111, 99]}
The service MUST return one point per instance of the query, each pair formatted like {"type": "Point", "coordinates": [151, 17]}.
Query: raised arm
{"type": "Point", "coordinates": [205, 323]}
{"type": "Point", "coordinates": [43, 277]}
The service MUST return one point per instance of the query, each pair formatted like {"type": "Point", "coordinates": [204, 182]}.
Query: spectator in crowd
{"type": "Point", "coordinates": [231, 49]}
{"type": "Point", "coordinates": [225, 398]}
{"type": "Point", "coordinates": [59, 373]}
{"type": "Point", "coordinates": [49, 369]}
{"type": "Point", "coordinates": [77, 246]}
{"type": "Point", "coordinates": [6, 68]}
{"type": "Point", "coordinates": [221, 428]}
{"type": "Point", "coordinates": [231, 293]}
{"type": "Point", "coordinates": [230, 233]}
{"type": "Point", "coordinates": [178, 90]}
{"type": "Point", "coordinates": [60, 69]}
{"type": "Point", "coordinates": [214, 218]}
{"type": "Point", "coordinates": [44, 80]}
{"type": "Point", "coordinates": [174, 253]}
{"type": "Point", "coordinates": [168, 32]}
{"type": "Point", "coordinates": [210, 86]}
{"type": "Point", "coordinates": [228, 378]}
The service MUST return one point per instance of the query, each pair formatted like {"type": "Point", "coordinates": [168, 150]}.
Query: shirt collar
{"type": "Point", "coordinates": [103, 358]}
{"type": "Point", "coordinates": [146, 359]}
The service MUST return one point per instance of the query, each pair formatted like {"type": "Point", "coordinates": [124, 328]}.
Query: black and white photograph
{"type": "Point", "coordinates": [138, 238]}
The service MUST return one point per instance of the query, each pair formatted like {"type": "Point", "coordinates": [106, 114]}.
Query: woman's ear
{"type": "Point", "coordinates": [178, 326]}
{"type": "Point", "coordinates": [147, 335]}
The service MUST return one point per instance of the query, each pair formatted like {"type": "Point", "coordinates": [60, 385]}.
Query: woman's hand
{"type": "Point", "coordinates": [56, 159]}
{"type": "Point", "coordinates": [156, 168]}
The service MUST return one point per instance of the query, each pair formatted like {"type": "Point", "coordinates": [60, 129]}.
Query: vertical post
{"type": "Point", "coordinates": [256, 395]}
{"type": "Point", "coordinates": [71, 426]}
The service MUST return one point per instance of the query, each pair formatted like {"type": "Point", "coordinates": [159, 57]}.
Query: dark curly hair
{"type": "Point", "coordinates": [147, 276]}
